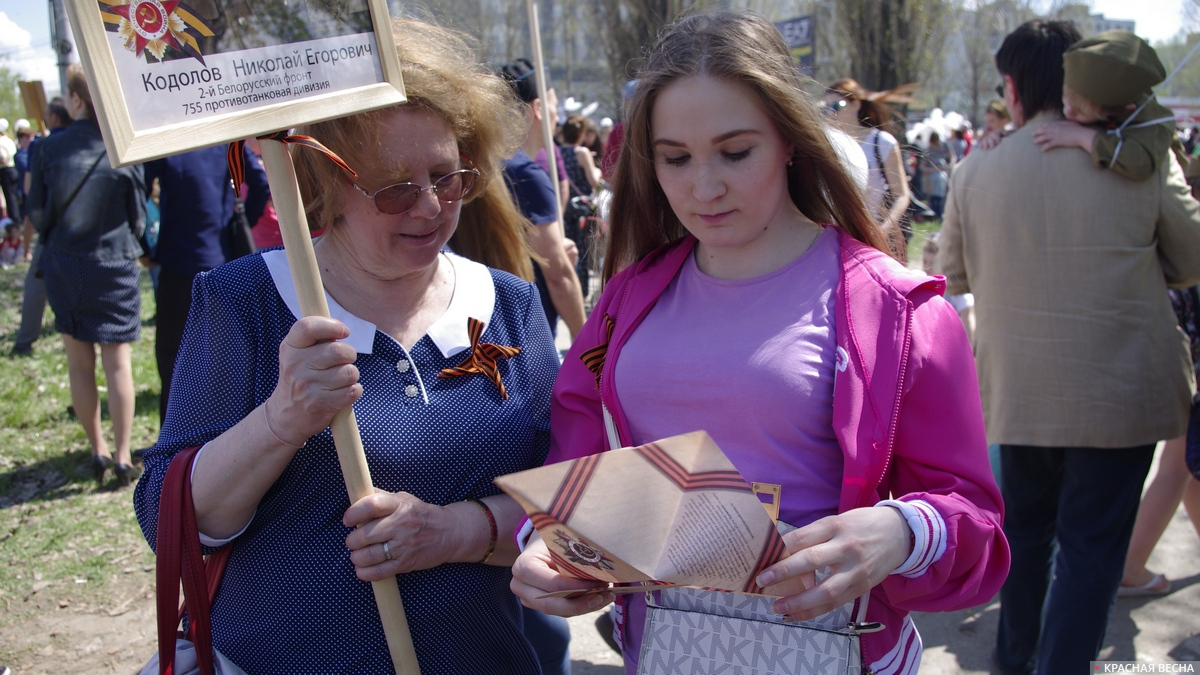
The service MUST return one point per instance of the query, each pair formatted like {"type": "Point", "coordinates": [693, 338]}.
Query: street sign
{"type": "Point", "coordinates": [799, 35]}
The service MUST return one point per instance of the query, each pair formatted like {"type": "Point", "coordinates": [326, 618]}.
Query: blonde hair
{"type": "Point", "coordinates": [741, 47]}
{"type": "Point", "coordinates": [1090, 108]}
{"type": "Point", "coordinates": [997, 108]}
{"type": "Point", "coordinates": [443, 76]}
{"type": "Point", "coordinates": [77, 84]}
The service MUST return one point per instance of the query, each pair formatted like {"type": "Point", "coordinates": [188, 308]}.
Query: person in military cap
{"type": "Point", "coordinates": [1110, 109]}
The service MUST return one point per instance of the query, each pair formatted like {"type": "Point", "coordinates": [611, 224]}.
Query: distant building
{"type": "Point", "coordinates": [1088, 23]}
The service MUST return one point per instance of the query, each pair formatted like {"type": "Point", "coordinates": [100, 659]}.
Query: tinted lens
{"type": "Point", "coordinates": [397, 198]}
{"type": "Point", "coordinates": [1000, 90]}
{"type": "Point", "coordinates": [452, 186]}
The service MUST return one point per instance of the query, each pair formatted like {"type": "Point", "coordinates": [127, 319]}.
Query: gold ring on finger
{"type": "Point", "coordinates": [387, 551]}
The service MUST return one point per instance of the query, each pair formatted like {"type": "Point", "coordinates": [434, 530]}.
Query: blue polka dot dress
{"type": "Point", "coordinates": [289, 601]}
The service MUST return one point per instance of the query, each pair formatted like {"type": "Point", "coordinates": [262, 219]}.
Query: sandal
{"type": "Point", "coordinates": [1158, 585]}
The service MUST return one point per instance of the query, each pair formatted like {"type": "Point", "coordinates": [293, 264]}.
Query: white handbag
{"type": "Point", "coordinates": [699, 631]}
{"type": "Point", "coordinates": [186, 662]}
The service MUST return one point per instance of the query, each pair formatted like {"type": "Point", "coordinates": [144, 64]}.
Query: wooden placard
{"type": "Point", "coordinates": [33, 95]}
{"type": "Point", "coordinates": [170, 77]}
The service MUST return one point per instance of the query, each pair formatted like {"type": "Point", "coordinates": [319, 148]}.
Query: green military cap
{"type": "Point", "coordinates": [1112, 68]}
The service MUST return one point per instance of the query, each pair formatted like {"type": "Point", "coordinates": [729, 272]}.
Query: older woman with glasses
{"type": "Point", "coordinates": [448, 364]}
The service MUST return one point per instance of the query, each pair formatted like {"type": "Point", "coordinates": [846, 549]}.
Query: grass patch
{"type": "Point", "coordinates": [65, 542]}
{"type": "Point", "coordinates": [921, 234]}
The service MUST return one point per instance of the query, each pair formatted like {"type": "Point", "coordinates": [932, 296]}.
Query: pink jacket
{"type": "Point", "coordinates": [906, 411]}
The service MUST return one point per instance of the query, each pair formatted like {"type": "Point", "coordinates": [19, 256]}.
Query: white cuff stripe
{"type": "Point", "coordinates": [938, 525]}
{"type": "Point", "coordinates": [929, 535]}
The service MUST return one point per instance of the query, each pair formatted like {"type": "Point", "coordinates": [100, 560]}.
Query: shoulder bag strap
{"type": "Point", "coordinates": [45, 234]}
{"type": "Point", "coordinates": [179, 556]}
{"type": "Point", "coordinates": [887, 186]}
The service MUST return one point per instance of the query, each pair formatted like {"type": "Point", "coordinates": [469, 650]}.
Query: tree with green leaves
{"type": "Point", "coordinates": [11, 106]}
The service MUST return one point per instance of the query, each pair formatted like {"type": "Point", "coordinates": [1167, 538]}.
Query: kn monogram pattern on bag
{"type": "Point", "coordinates": [691, 631]}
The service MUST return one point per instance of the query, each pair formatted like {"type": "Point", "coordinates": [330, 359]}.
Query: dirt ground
{"type": "Point", "coordinates": [66, 634]}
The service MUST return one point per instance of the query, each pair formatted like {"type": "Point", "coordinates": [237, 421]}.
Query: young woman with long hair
{"type": "Point", "coordinates": [748, 294]}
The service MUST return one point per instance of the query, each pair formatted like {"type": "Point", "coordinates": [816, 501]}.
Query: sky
{"type": "Point", "coordinates": [25, 31]}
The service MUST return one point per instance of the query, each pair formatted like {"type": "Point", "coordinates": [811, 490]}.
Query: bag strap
{"type": "Point", "coordinates": [887, 186]}
{"type": "Point", "coordinates": [179, 557]}
{"type": "Point", "coordinates": [45, 234]}
{"type": "Point", "coordinates": [239, 206]}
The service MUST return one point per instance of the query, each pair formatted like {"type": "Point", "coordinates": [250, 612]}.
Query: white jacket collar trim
{"type": "Point", "coordinates": [474, 296]}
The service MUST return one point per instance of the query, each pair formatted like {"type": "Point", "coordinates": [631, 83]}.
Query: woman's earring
{"type": "Point", "coordinates": [789, 162]}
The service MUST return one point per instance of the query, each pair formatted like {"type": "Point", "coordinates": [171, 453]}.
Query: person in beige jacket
{"type": "Point", "coordinates": [1081, 366]}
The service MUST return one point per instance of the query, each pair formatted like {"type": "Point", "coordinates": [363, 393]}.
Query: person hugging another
{"type": "Point", "coordinates": [1110, 108]}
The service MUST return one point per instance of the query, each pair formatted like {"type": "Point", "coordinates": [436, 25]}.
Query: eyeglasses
{"type": "Point", "coordinates": [1000, 90]}
{"type": "Point", "coordinates": [401, 197]}
{"type": "Point", "coordinates": [838, 105]}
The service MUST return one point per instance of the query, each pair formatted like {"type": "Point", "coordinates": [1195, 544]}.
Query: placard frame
{"type": "Point", "coordinates": [130, 145]}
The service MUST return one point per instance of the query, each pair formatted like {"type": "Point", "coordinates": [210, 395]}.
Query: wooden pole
{"type": "Point", "coordinates": [293, 225]}
{"type": "Point", "coordinates": [539, 65]}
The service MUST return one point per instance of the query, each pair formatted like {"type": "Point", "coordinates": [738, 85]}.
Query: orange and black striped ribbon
{"type": "Point", "coordinates": [235, 156]}
{"type": "Point", "coordinates": [594, 357]}
{"type": "Point", "coordinates": [687, 481]}
{"type": "Point", "coordinates": [772, 551]}
{"type": "Point", "coordinates": [573, 486]}
{"type": "Point", "coordinates": [482, 358]}
{"type": "Point", "coordinates": [541, 520]}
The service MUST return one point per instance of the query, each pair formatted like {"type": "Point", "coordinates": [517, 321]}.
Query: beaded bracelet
{"type": "Point", "coordinates": [491, 524]}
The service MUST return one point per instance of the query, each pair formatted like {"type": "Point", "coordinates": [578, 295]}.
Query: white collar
{"type": "Point", "coordinates": [474, 296]}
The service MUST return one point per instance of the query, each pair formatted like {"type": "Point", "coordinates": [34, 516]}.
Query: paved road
{"type": "Point", "coordinates": [960, 643]}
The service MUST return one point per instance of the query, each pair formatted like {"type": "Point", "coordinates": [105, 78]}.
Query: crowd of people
{"type": "Point", "coordinates": [733, 223]}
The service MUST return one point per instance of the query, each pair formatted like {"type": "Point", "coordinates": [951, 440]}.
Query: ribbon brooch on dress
{"type": "Point", "coordinates": [593, 358]}
{"type": "Point", "coordinates": [482, 358]}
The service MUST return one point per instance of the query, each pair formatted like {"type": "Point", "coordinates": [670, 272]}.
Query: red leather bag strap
{"type": "Point", "coordinates": [179, 557]}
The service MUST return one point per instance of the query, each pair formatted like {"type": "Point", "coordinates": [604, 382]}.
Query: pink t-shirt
{"type": "Point", "coordinates": [751, 362]}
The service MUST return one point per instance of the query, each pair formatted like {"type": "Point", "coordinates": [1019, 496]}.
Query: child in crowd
{"type": "Point", "coordinates": [11, 249]}
{"type": "Point", "coordinates": [1110, 109]}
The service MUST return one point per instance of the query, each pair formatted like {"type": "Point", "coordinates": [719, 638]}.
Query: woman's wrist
{"type": "Point", "coordinates": [927, 534]}
{"type": "Point", "coordinates": [493, 530]}
{"type": "Point", "coordinates": [470, 530]}
{"type": "Point", "coordinates": [272, 429]}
